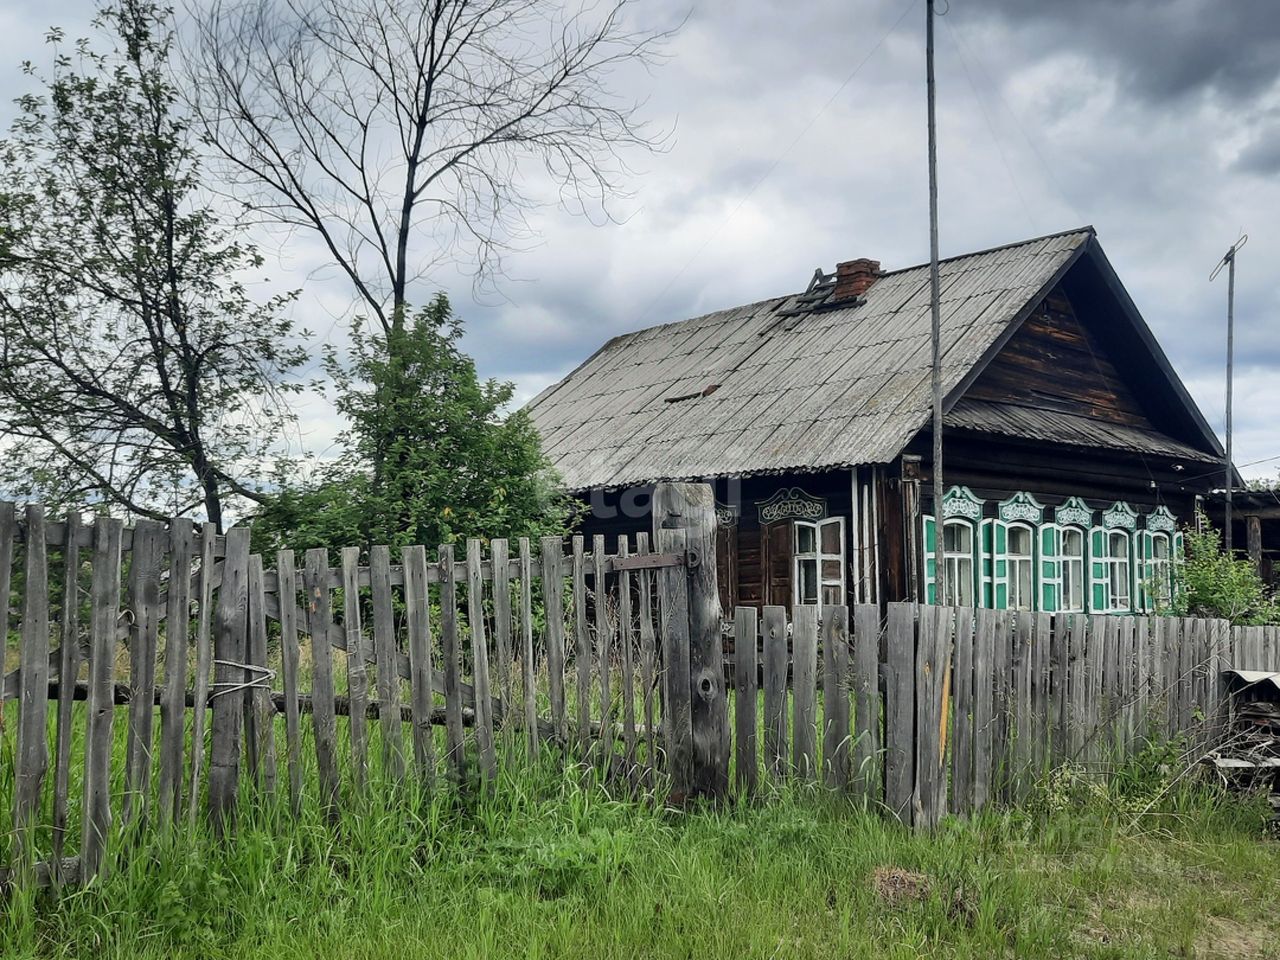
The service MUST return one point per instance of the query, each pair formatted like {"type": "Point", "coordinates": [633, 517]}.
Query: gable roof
{"type": "Point", "coordinates": [764, 388]}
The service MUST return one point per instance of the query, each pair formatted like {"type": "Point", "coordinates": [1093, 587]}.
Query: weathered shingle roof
{"type": "Point", "coordinates": [766, 392]}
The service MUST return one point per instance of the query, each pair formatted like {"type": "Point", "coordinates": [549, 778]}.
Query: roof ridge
{"type": "Point", "coordinates": [1087, 228]}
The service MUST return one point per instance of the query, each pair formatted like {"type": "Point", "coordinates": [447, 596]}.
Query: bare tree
{"type": "Point", "coordinates": [134, 367]}
{"type": "Point", "coordinates": [399, 131]}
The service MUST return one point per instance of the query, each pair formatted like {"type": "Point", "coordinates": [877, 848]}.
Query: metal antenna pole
{"type": "Point", "coordinates": [1229, 258]}
{"type": "Point", "coordinates": [935, 310]}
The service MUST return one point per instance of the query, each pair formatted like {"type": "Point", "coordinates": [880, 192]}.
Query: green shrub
{"type": "Point", "coordinates": [1209, 582]}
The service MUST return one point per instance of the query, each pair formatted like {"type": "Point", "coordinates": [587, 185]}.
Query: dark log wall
{"type": "Point", "coordinates": [1054, 363]}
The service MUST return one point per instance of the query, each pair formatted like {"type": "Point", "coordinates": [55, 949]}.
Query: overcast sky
{"type": "Point", "coordinates": [799, 140]}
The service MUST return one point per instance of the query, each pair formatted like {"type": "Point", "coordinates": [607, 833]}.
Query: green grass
{"type": "Point", "coordinates": [547, 865]}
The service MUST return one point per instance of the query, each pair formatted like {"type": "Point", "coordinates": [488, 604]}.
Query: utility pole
{"type": "Point", "coordinates": [935, 310]}
{"type": "Point", "coordinates": [1229, 258]}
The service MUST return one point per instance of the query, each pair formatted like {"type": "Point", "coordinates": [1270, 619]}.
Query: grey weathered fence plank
{"type": "Point", "coordinates": [648, 660]}
{"type": "Point", "coordinates": [900, 704]}
{"type": "Point", "coordinates": [835, 695]}
{"type": "Point", "coordinates": [604, 641]}
{"type": "Point", "coordinates": [418, 641]}
{"type": "Point", "coordinates": [259, 695]}
{"type": "Point", "coordinates": [455, 744]}
{"type": "Point", "coordinates": [746, 684]}
{"type": "Point", "coordinates": [775, 690]}
{"type": "Point", "coordinates": [932, 659]}
{"type": "Point", "coordinates": [1094, 706]}
{"type": "Point", "coordinates": [323, 718]}
{"type": "Point", "coordinates": [581, 647]}
{"type": "Point", "coordinates": [1021, 705]}
{"type": "Point", "coordinates": [1077, 685]}
{"type": "Point", "coordinates": [68, 672]}
{"type": "Point", "coordinates": [673, 618]}
{"type": "Point", "coordinates": [357, 675]}
{"type": "Point", "coordinates": [32, 759]}
{"type": "Point", "coordinates": [1186, 672]}
{"type": "Point", "coordinates": [173, 705]}
{"type": "Point", "coordinates": [626, 658]}
{"type": "Point", "coordinates": [480, 663]}
{"type": "Point", "coordinates": [502, 626]}
{"type": "Point", "coordinates": [8, 535]}
{"type": "Point", "coordinates": [1142, 681]}
{"type": "Point", "coordinates": [144, 604]}
{"type": "Point", "coordinates": [984, 706]}
{"type": "Point", "coordinates": [865, 671]}
{"type": "Point", "coordinates": [385, 656]}
{"type": "Point", "coordinates": [105, 611]}
{"type": "Point", "coordinates": [287, 590]}
{"type": "Point", "coordinates": [962, 696]}
{"type": "Point", "coordinates": [553, 603]}
{"type": "Point", "coordinates": [1059, 687]}
{"type": "Point", "coordinates": [804, 691]}
{"type": "Point", "coordinates": [527, 666]}
{"type": "Point", "coordinates": [1002, 731]}
{"type": "Point", "coordinates": [204, 663]}
{"type": "Point", "coordinates": [1128, 683]}
{"type": "Point", "coordinates": [1042, 704]}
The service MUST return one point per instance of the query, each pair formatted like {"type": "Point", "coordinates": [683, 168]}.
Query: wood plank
{"type": "Point", "coordinates": [836, 736]}
{"type": "Point", "coordinates": [8, 535]}
{"type": "Point", "coordinates": [804, 692]}
{"type": "Point", "coordinates": [204, 663]}
{"type": "Point", "coordinates": [418, 641]}
{"type": "Point", "coordinates": [604, 635]}
{"type": "Point", "coordinates": [480, 663]}
{"type": "Point", "coordinates": [581, 648]}
{"type": "Point", "coordinates": [865, 669]}
{"type": "Point", "coordinates": [357, 675]}
{"type": "Point", "coordinates": [527, 665]}
{"type": "Point", "coordinates": [502, 628]}
{"type": "Point", "coordinates": [673, 620]}
{"type": "Point", "coordinates": [455, 744]}
{"type": "Point", "coordinates": [746, 687]}
{"type": "Point", "coordinates": [1077, 686]}
{"type": "Point", "coordinates": [553, 604]}
{"type": "Point", "coordinates": [900, 704]}
{"type": "Point", "coordinates": [32, 755]}
{"type": "Point", "coordinates": [173, 714]}
{"type": "Point", "coordinates": [144, 603]}
{"type": "Point", "coordinates": [933, 655]}
{"type": "Point", "coordinates": [1021, 705]}
{"type": "Point", "coordinates": [626, 658]}
{"type": "Point", "coordinates": [1042, 705]}
{"type": "Point", "coordinates": [323, 719]}
{"type": "Point", "coordinates": [962, 692]}
{"type": "Point", "coordinates": [384, 653]}
{"type": "Point", "coordinates": [1095, 659]}
{"type": "Point", "coordinates": [259, 695]}
{"type": "Point", "coordinates": [1059, 687]}
{"type": "Point", "coordinates": [68, 672]}
{"type": "Point", "coordinates": [776, 661]}
{"type": "Point", "coordinates": [984, 707]}
{"type": "Point", "coordinates": [1003, 704]}
{"type": "Point", "coordinates": [287, 587]}
{"type": "Point", "coordinates": [1142, 680]}
{"type": "Point", "coordinates": [104, 612]}
{"type": "Point", "coordinates": [648, 661]}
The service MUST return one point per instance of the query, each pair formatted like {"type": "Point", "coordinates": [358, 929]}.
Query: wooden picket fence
{"type": "Point", "coordinates": [937, 710]}
{"type": "Point", "coordinates": [491, 653]}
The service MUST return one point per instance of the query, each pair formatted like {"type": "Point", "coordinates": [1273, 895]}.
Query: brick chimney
{"type": "Point", "coordinates": [855, 277]}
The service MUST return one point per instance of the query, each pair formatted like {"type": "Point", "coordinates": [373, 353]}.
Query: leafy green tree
{"type": "Point", "coordinates": [430, 455]}
{"type": "Point", "coordinates": [1208, 582]}
{"type": "Point", "coordinates": [136, 370]}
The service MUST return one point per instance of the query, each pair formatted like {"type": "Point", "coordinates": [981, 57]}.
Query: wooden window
{"type": "Point", "coordinates": [1157, 576]}
{"type": "Point", "coordinates": [1119, 571]}
{"type": "Point", "coordinates": [1020, 557]}
{"type": "Point", "coordinates": [819, 561]}
{"type": "Point", "coordinates": [958, 542]}
{"type": "Point", "coordinates": [1072, 557]}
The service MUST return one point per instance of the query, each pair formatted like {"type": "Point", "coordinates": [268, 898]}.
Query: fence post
{"type": "Point", "coordinates": [229, 644]}
{"type": "Point", "coordinates": [684, 522]}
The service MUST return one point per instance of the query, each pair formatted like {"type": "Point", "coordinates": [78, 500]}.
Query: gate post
{"type": "Point", "coordinates": [695, 715]}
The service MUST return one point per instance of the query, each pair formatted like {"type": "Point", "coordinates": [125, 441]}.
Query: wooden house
{"type": "Point", "coordinates": [1073, 453]}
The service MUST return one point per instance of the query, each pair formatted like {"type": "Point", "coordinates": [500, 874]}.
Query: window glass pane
{"type": "Point", "coordinates": [831, 537]}
{"type": "Point", "coordinates": [1072, 543]}
{"type": "Point", "coordinates": [960, 580]}
{"type": "Point", "coordinates": [1160, 547]}
{"type": "Point", "coordinates": [806, 538]}
{"type": "Point", "coordinates": [1019, 541]}
{"type": "Point", "coordinates": [1119, 545]}
{"type": "Point", "coordinates": [831, 593]}
{"type": "Point", "coordinates": [808, 580]}
{"type": "Point", "coordinates": [957, 538]}
{"type": "Point", "coordinates": [831, 570]}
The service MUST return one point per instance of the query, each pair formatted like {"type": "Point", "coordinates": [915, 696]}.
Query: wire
{"type": "Point", "coordinates": [778, 160]}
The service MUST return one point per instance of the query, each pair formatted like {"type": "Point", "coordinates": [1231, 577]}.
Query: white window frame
{"type": "Point", "coordinates": [1113, 562]}
{"type": "Point", "coordinates": [954, 559]}
{"type": "Point", "coordinates": [1081, 561]}
{"type": "Point", "coordinates": [816, 557]}
{"type": "Point", "coordinates": [1013, 562]}
{"type": "Point", "coordinates": [1160, 570]}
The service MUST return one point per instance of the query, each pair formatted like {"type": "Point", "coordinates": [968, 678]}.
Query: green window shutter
{"type": "Point", "coordinates": [1177, 559]}
{"type": "Point", "coordinates": [987, 565]}
{"type": "Point", "coordinates": [1143, 571]}
{"type": "Point", "coordinates": [1097, 570]}
{"type": "Point", "coordinates": [931, 555]}
{"type": "Point", "coordinates": [1050, 567]}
